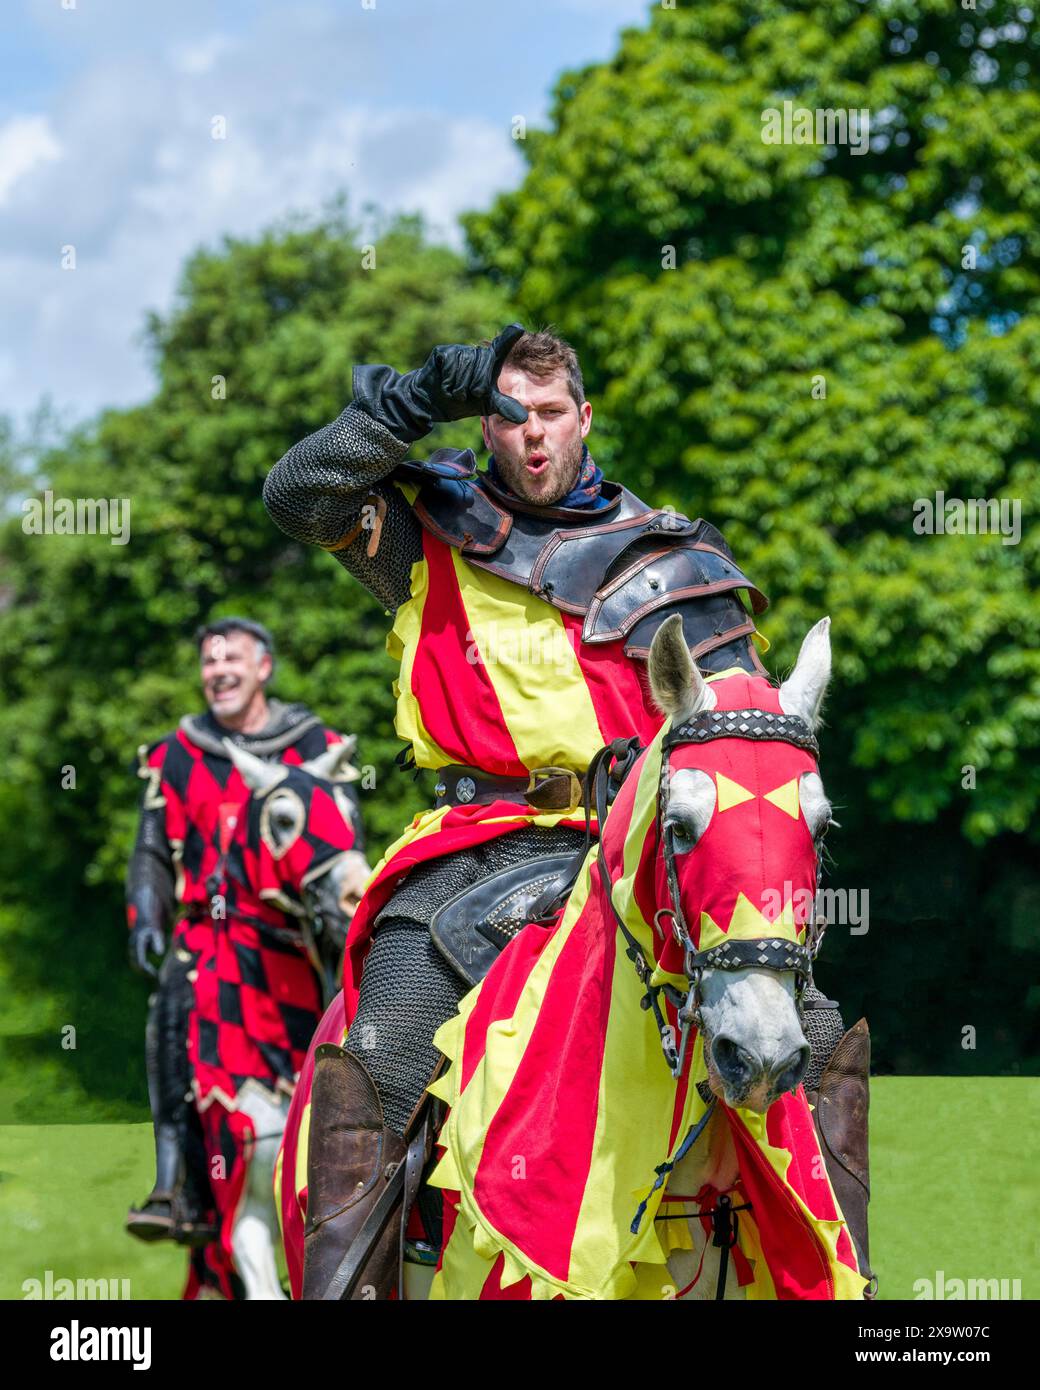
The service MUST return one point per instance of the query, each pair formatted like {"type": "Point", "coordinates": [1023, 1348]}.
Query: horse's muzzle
{"type": "Point", "coordinates": [750, 1080]}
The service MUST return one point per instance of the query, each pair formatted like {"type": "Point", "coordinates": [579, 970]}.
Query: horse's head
{"type": "Point", "coordinates": [301, 844]}
{"type": "Point", "coordinates": [741, 815]}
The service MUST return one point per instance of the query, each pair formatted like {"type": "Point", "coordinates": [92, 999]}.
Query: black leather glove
{"type": "Point", "coordinates": [145, 939]}
{"type": "Point", "coordinates": [454, 382]}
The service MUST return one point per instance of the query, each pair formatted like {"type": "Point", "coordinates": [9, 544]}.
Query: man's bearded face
{"type": "Point", "coordinates": [233, 672]}
{"type": "Point", "coordinates": [539, 460]}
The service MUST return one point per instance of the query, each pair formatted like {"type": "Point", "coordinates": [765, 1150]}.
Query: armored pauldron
{"type": "Point", "coordinates": [622, 569]}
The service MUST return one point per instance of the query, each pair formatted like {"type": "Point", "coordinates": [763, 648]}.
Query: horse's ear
{"type": "Point", "coordinates": [334, 764]}
{"type": "Point", "coordinates": [677, 686]}
{"type": "Point", "coordinates": [256, 774]}
{"type": "Point", "coordinates": [803, 690]}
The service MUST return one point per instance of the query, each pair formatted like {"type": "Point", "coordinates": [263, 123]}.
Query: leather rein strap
{"type": "Point", "coordinates": [624, 752]}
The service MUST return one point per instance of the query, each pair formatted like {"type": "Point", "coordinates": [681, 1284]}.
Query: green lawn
{"type": "Point", "coordinates": [954, 1185]}
{"type": "Point", "coordinates": [953, 1190]}
{"type": "Point", "coordinates": [64, 1191]}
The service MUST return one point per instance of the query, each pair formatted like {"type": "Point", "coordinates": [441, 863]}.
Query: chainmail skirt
{"type": "Point", "coordinates": [408, 989]}
{"type": "Point", "coordinates": [823, 1030]}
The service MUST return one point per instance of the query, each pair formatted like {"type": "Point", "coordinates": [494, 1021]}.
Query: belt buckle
{"type": "Point", "coordinates": [544, 773]}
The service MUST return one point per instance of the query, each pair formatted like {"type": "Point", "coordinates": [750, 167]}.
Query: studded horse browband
{"type": "Point", "coordinates": [744, 723]}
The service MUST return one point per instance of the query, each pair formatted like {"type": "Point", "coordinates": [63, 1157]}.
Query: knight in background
{"type": "Point", "coordinates": [525, 597]}
{"type": "Point", "coordinates": [192, 797]}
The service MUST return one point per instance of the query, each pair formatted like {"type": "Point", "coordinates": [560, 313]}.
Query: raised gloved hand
{"type": "Point", "coordinates": [454, 382]}
{"type": "Point", "coordinates": [146, 939]}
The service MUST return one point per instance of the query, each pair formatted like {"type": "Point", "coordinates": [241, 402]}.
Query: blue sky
{"type": "Point", "coordinates": [105, 145]}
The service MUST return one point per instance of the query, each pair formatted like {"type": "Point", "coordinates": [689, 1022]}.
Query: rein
{"type": "Point", "coordinates": [617, 760]}
{"type": "Point", "coordinates": [614, 762]}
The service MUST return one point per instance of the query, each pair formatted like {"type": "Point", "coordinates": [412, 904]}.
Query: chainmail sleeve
{"type": "Point", "coordinates": [332, 489]}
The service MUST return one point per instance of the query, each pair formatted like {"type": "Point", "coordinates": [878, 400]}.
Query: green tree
{"type": "Point", "coordinates": [798, 265]}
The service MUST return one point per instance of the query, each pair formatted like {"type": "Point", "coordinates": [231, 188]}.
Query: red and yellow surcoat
{"type": "Point", "coordinates": [496, 678]}
{"type": "Point", "coordinates": [492, 676]}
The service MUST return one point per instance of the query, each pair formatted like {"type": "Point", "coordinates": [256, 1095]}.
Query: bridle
{"type": "Point", "coordinates": [310, 924]}
{"type": "Point", "coordinates": [608, 768]}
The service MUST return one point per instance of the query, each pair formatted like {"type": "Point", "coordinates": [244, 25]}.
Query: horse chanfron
{"type": "Point", "coordinates": [742, 813]}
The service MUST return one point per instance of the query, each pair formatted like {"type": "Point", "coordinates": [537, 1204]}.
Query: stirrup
{"type": "Point", "coordinates": [196, 1234]}
{"type": "Point", "coordinates": [152, 1225]}
{"type": "Point", "coordinates": [178, 1224]}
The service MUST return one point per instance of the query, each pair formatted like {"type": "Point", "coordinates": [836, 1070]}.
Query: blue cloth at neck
{"type": "Point", "coordinates": [586, 492]}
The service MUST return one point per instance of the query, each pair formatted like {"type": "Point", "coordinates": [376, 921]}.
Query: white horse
{"type": "Point", "coordinates": [743, 1014]}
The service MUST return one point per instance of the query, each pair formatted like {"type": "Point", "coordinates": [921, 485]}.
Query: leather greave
{"type": "Point", "coordinates": [840, 1112]}
{"type": "Point", "coordinates": [174, 1002]}
{"type": "Point", "coordinates": [351, 1158]}
{"type": "Point", "coordinates": [169, 1160]}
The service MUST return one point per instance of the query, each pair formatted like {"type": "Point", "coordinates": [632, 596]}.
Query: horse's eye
{"type": "Point", "coordinates": [683, 835]}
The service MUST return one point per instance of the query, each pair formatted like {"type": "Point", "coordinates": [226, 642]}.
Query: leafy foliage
{"type": "Point", "coordinates": [796, 266]}
{"type": "Point", "coordinates": [799, 342]}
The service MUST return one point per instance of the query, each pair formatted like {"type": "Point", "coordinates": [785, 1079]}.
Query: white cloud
{"type": "Point", "coordinates": [25, 143]}
{"type": "Point", "coordinates": [194, 59]}
{"type": "Point", "coordinates": [143, 184]}
{"type": "Point", "coordinates": [400, 106]}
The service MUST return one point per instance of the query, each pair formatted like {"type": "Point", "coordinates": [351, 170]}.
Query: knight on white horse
{"type": "Point", "coordinates": [526, 598]}
{"type": "Point", "coordinates": [193, 797]}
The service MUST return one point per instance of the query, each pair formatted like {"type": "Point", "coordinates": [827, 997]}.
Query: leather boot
{"type": "Point", "coordinates": [351, 1158]}
{"type": "Point", "coordinates": [156, 1219]}
{"type": "Point", "coordinates": [173, 1209]}
{"type": "Point", "coordinates": [840, 1109]}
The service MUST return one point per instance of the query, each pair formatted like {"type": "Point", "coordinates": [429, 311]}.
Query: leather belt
{"type": "Point", "coordinates": [546, 788]}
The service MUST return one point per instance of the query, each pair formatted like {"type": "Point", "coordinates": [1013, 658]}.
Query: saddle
{"type": "Point", "coordinates": [479, 921]}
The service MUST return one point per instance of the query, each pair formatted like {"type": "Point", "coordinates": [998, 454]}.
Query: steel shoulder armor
{"type": "Point", "coordinates": [623, 568]}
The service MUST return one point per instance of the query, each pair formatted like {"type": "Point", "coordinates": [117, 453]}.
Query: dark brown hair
{"type": "Point", "coordinates": [542, 355]}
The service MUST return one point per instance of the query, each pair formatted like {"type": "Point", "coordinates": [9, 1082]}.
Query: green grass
{"type": "Point", "coordinates": [64, 1192]}
{"type": "Point", "coordinates": [953, 1180]}
{"type": "Point", "coordinates": [953, 1190]}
